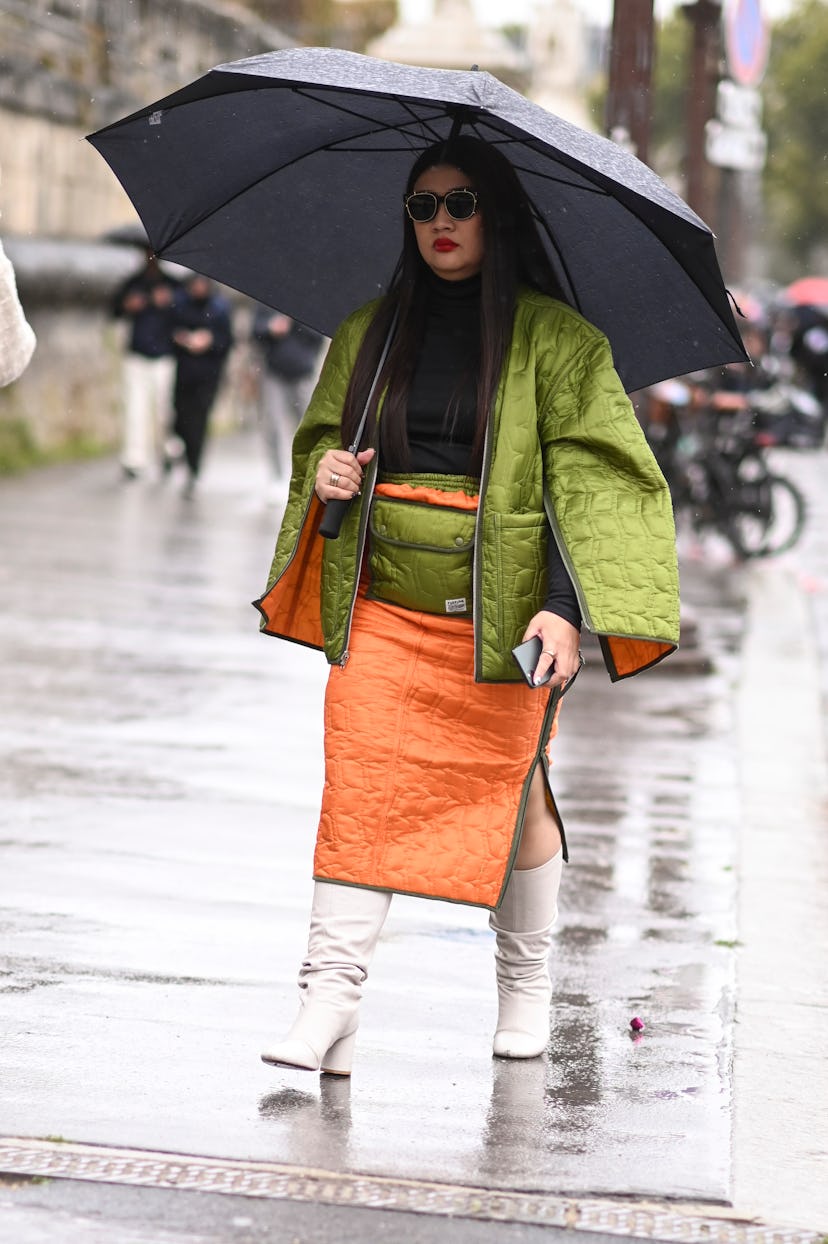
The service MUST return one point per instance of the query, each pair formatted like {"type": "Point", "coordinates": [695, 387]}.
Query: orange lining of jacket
{"type": "Point", "coordinates": [630, 656]}
{"type": "Point", "coordinates": [292, 607]}
{"type": "Point", "coordinates": [431, 496]}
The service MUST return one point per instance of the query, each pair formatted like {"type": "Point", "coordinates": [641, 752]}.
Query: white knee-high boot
{"type": "Point", "coordinates": [345, 925]}
{"type": "Point", "coordinates": [522, 926]}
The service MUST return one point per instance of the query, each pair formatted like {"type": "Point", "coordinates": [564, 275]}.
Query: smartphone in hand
{"type": "Point", "coordinates": [527, 656]}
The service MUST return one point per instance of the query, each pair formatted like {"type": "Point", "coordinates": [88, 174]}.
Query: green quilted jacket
{"type": "Point", "coordinates": [565, 459]}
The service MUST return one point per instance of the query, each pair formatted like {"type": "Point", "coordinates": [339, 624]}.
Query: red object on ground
{"type": "Point", "coordinates": [637, 1024]}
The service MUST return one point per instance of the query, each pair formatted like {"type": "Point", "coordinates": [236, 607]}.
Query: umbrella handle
{"type": "Point", "coordinates": [335, 512]}
{"type": "Point", "coordinates": [336, 508]}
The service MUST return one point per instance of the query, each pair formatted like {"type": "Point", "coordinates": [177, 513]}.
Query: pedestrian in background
{"type": "Point", "coordinates": [809, 350]}
{"type": "Point", "coordinates": [290, 353]}
{"type": "Point", "coordinates": [146, 301]}
{"type": "Point", "coordinates": [17, 339]}
{"type": "Point", "coordinates": [202, 337]}
{"type": "Point", "coordinates": [508, 488]}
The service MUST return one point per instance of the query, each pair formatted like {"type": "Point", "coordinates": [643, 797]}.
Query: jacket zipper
{"type": "Point", "coordinates": [476, 571]}
{"type": "Point", "coordinates": [363, 531]}
{"type": "Point", "coordinates": [566, 559]}
{"type": "Point", "coordinates": [538, 759]}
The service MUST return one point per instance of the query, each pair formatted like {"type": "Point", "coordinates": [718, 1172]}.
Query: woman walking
{"type": "Point", "coordinates": [506, 492]}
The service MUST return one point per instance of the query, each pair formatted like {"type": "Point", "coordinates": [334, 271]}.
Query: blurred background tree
{"type": "Point", "coordinates": [796, 120]}
{"type": "Point", "coordinates": [667, 112]}
{"type": "Point", "coordinates": [670, 97]}
{"type": "Point", "coordinates": [795, 117]}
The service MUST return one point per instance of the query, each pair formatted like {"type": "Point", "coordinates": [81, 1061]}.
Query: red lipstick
{"type": "Point", "coordinates": [445, 244]}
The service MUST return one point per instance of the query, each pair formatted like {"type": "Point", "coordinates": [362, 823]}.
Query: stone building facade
{"type": "Point", "coordinates": [68, 67]}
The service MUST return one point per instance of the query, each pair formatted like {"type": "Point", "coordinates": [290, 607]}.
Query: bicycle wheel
{"type": "Point", "coordinates": [787, 516]}
{"type": "Point", "coordinates": [769, 518]}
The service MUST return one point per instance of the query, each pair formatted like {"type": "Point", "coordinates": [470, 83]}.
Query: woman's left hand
{"type": "Point", "coordinates": [560, 641]}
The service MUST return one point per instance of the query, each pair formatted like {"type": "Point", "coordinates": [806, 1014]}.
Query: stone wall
{"type": "Point", "coordinates": [70, 396]}
{"type": "Point", "coordinates": [68, 67]}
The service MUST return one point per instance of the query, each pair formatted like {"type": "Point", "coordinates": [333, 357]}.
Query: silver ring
{"type": "Point", "coordinates": [334, 479]}
{"type": "Point", "coordinates": [549, 652]}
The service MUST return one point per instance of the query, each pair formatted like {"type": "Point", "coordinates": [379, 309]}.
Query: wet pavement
{"type": "Point", "coordinates": [160, 775]}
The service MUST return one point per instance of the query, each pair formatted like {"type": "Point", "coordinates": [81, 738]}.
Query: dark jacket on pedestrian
{"type": "Point", "coordinates": [213, 313]}
{"type": "Point", "coordinates": [809, 349]}
{"type": "Point", "coordinates": [151, 324]}
{"type": "Point", "coordinates": [292, 356]}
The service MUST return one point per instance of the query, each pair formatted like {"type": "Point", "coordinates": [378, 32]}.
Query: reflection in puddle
{"type": "Point", "coordinates": [318, 1124]}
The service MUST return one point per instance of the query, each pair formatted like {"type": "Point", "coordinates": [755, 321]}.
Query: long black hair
{"type": "Point", "coordinates": [512, 254]}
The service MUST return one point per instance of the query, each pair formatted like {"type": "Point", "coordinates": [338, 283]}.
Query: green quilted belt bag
{"type": "Point", "coordinates": [421, 543]}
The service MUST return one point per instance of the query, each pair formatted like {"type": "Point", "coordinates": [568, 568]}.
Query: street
{"type": "Point", "coordinates": [160, 781]}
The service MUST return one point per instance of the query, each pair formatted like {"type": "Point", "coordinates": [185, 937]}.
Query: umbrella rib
{"type": "Point", "coordinates": [505, 141]}
{"type": "Point", "coordinates": [366, 150]}
{"type": "Point", "coordinates": [246, 190]}
{"type": "Point", "coordinates": [360, 116]}
{"type": "Point", "coordinates": [423, 122]}
{"type": "Point", "coordinates": [573, 293]}
{"type": "Point", "coordinates": [678, 258]}
{"type": "Point", "coordinates": [338, 145]}
{"type": "Point", "coordinates": [586, 186]}
{"type": "Point", "coordinates": [589, 186]}
{"type": "Point", "coordinates": [335, 146]}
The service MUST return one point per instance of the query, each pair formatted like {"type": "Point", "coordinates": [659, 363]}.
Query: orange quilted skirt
{"type": "Point", "coordinates": [426, 771]}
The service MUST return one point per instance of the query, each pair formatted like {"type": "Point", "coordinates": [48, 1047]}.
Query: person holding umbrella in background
{"type": "Point", "coordinates": [505, 490]}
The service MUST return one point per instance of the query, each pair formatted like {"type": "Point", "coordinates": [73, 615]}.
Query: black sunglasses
{"type": "Point", "coordinates": [423, 205]}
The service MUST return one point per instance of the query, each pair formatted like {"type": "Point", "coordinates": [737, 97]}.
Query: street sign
{"type": "Point", "coordinates": [747, 41]}
{"type": "Point", "coordinates": [739, 106]}
{"type": "Point", "coordinates": [729, 147]}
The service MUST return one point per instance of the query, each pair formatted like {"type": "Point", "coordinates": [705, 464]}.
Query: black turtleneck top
{"type": "Point", "coordinates": [442, 407]}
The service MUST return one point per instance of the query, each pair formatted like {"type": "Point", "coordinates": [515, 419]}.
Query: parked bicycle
{"type": "Point", "coordinates": [716, 466]}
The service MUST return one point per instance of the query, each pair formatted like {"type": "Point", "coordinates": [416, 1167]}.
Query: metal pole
{"type": "Point", "coordinates": [705, 55]}
{"type": "Point", "coordinates": [629, 101]}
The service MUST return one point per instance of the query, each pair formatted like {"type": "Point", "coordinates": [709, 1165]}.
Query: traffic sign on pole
{"type": "Point", "coordinates": [729, 147]}
{"type": "Point", "coordinates": [747, 41]}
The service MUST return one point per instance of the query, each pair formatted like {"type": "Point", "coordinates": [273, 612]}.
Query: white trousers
{"type": "Point", "coordinates": [147, 404]}
{"type": "Point", "coordinates": [283, 403]}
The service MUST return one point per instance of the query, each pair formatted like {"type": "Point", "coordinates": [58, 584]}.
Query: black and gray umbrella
{"type": "Point", "coordinates": [282, 176]}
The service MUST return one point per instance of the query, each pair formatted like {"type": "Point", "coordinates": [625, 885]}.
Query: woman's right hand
{"type": "Point", "coordinates": [339, 474]}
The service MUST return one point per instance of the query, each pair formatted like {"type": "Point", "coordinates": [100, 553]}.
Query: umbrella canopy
{"type": "Point", "coordinates": [808, 291]}
{"type": "Point", "coordinates": [282, 175]}
{"type": "Point", "coordinates": [133, 234]}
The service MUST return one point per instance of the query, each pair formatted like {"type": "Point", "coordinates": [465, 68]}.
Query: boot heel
{"type": "Point", "coordinates": [337, 1061]}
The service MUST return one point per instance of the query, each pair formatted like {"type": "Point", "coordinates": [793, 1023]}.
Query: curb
{"type": "Point", "coordinates": [100, 1164]}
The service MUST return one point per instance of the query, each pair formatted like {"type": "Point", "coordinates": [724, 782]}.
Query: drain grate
{"type": "Point", "coordinates": [59, 1160]}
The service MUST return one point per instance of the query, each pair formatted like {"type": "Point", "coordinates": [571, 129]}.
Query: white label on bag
{"type": "Point", "coordinates": [457, 605]}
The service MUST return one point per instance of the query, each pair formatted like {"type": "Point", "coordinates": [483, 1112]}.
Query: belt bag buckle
{"type": "Point", "coordinates": [420, 555]}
